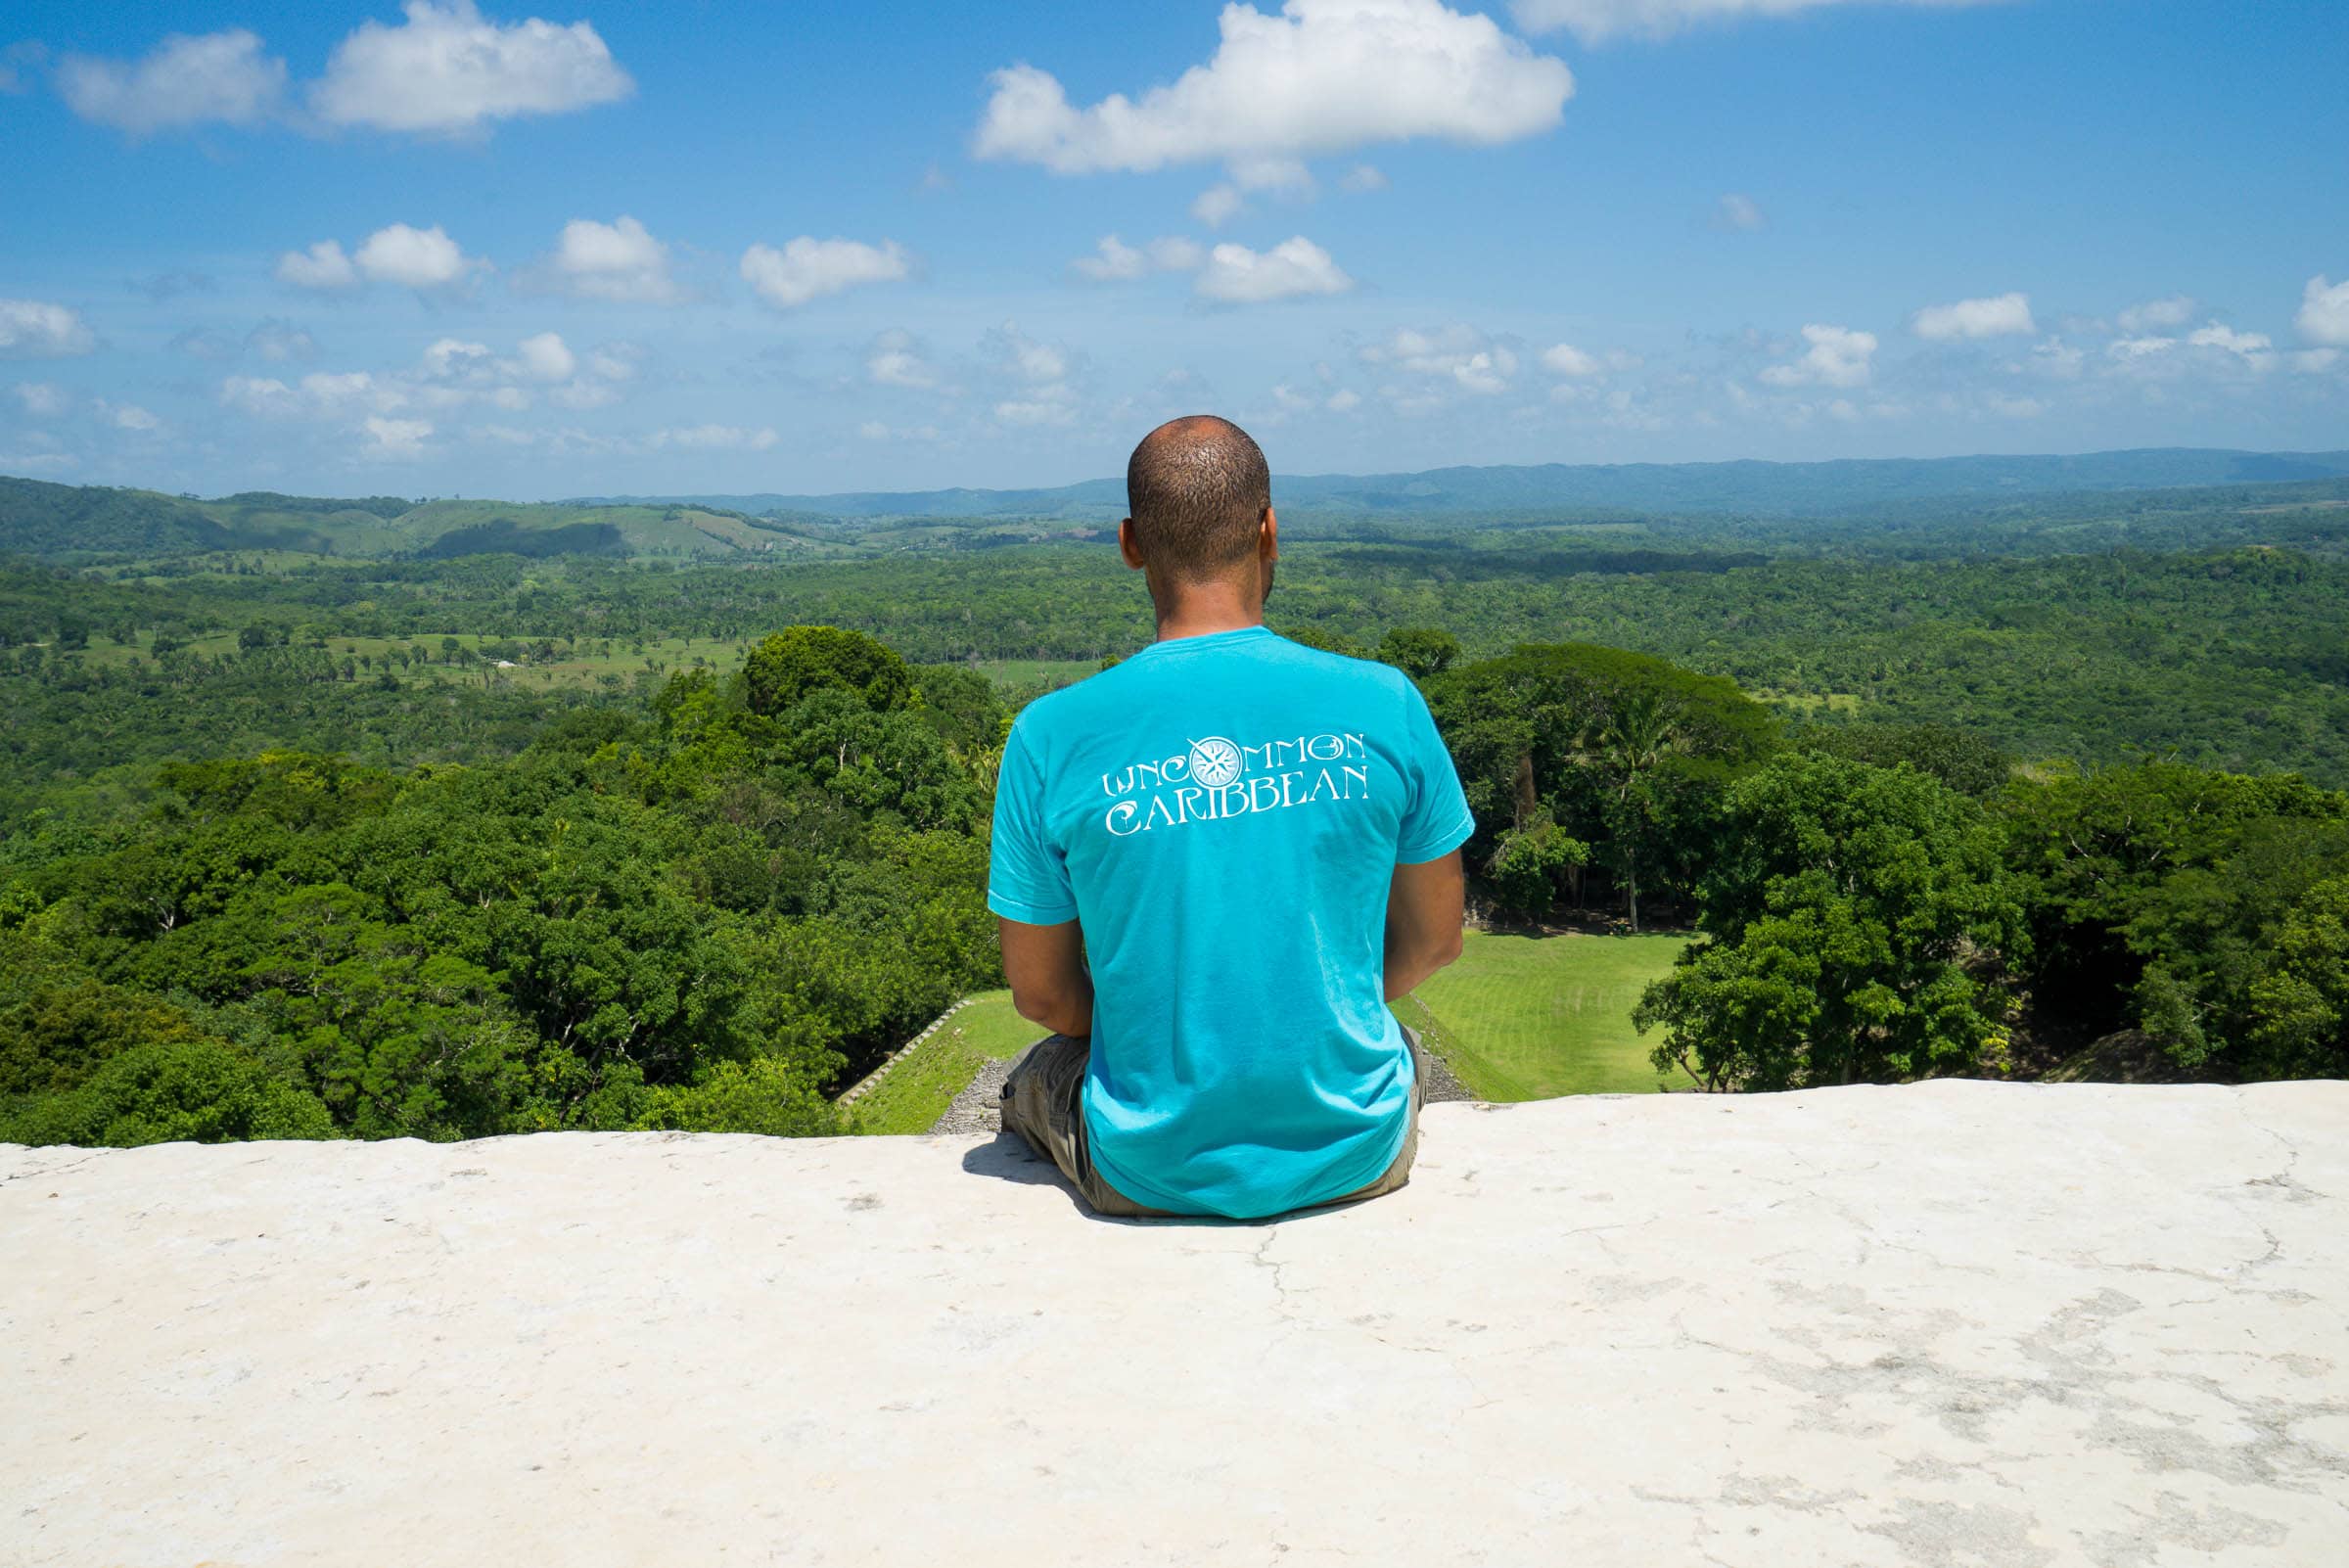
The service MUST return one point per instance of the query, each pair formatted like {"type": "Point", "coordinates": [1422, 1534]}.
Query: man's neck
{"type": "Point", "coordinates": [1202, 610]}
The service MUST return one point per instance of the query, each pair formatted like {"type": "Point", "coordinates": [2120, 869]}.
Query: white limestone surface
{"type": "Point", "coordinates": [1956, 1324]}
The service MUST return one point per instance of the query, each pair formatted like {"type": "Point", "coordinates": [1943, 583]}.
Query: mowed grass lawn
{"type": "Point", "coordinates": [1527, 1018]}
{"type": "Point", "coordinates": [919, 1089]}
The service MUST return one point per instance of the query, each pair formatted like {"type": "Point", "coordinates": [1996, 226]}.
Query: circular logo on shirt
{"type": "Point", "coordinates": [1215, 761]}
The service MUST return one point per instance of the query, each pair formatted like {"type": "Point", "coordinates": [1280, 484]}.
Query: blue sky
{"type": "Point", "coordinates": [585, 247]}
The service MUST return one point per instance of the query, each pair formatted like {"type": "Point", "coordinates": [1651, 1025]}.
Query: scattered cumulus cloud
{"type": "Point", "coordinates": [415, 259]}
{"type": "Point", "coordinates": [1565, 359]}
{"type": "Point", "coordinates": [279, 340]}
{"type": "Point", "coordinates": [39, 329]}
{"type": "Point", "coordinates": [1363, 177]}
{"type": "Point", "coordinates": [2323, 316]}
{"type": "Point", "coordinates": [1116, 262]}
{"type": "Point", "coordinates": [1319, 77]}
{"type": "Point", "coordinates": [1457, 354]}
{"type": "Point", "coordinates": [1998, 316]}
{"type": "Point", "coordinates": [1597, 21]}
{"type": "Point", "coordinates": [446, 70]}
{"type": "Point", "coordinates": [1838, 356]}
{"type": "Point", "coordinates": [1295, 268]}
{"type": "Point", "coordinates": [713, 438]}
{"type": "Point", "coordinates": [807, 268]}
{"type": "Point", "coordinates": [1738, 213]}
{"type": "Point", "coordinates": [620, 260]}
{"type": "Point", "coordinates": [394, 438]}
{"type": "Point", "coordinates": [443, 70]}
{"type": "Point", "coordinates": [895, 360]}
{"type": "Point", "coordinates": [42, 400]}
{"type": "Point", "coordinates": [397, 253]}
{"type": "Point", "coordinates": [2256, 348]}
{"type": "Point", "coordinates": [209, 78]}
{"type": "Point", "coordinates": [2155, 315]}
{"type": "Point", "coordinates": [125, 416]}
{"type": "Point", "coordinates": [1218, 204]}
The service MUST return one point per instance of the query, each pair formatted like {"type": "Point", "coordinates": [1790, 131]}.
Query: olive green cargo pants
{"type": "Point", "coordinates": [1043, 1103]}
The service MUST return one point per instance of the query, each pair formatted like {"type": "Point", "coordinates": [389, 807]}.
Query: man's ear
{"type": "Point", "coordinates": [1126, 547]}
{"type": "Point", "coordinates": [1268, 537]}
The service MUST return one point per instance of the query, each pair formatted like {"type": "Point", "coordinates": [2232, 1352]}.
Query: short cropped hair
{"type": "Point", "coordinates": [1197, 488]}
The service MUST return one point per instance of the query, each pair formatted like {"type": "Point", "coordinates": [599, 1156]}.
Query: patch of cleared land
{"type": "Point", "coordinates": [918, 1090]}
{"type": "Point", "coordinates": [1526, 1018]}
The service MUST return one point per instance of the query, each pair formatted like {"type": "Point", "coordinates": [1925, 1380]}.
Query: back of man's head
{"type": "Point", "coordinates": [1197, 488]}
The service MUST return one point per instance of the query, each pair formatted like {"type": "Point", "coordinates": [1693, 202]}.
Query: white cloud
{"type": "Point", "coordinates": [213, 78]}
{"type": "Point", "coordinates": [2016, 407]}
{"type": "Point", "coordinates": [2316, 362]}
{"type": "Point", "coordinates": [1119, 262]}
{"type": "Point", "coordinates": [1034, 411]}
{"type": "Point", "coordinates": [2140, 348]}
{"type": "Point", "coordinates": [617, 261]}
{"type": "Point", "coordinates": [895, 360]}
{"type": "Point", "coordinates": [1218, 204]}
{"type": "Point", "coordinates": [264, 395]}
{"type": "Point", "coordinates": [279, 340]}
{"type": "Point", "coordinates": [397, 253]}
{"type": "Point", "coordinates": [125, 416]}
{"type": "Point", "coordinates": [1594, 21]}
{"type": "Point", "coordinates": [1459, 353]}
{"type": "Point", "coordinates": [446, 70]}
{"type": "Point", "coordinates": [2249, 344]}
{"type": "Point", "coordinates": [1363, 177]}
{"type": "Point", "coordinates": [1739, 214]}
{"type": "Point", "coordinates": [545, 357]}
{"type": "Point", "coordinates": [39, 329]}
{"type": "Point", "coordinates": [1997, 316]}
{"type": "Point", "coordinates": [42, 400]}
{"type": "Point", "coordinates": [2325, 311]}
{"type": "Point", "coordinates": [414, 259]}
{"type": "Point", "coordinates": [1566, 359]}
{"type": "Point", "coordinates": [1344, 401]}
{"type": "Point", "coordinates": [2174, 311]}
{"type": "Point", "coordinates": [807, 268]}
{"type": "Point", "coordinates": [1321, 77]}
{"type": "Point", "coordinates": [396, 438]}
{"type": "Point", "coordinates": [1023, 358]}
{"type": "Point", "coordinates": [322, 266]}
{"type": "Point", "coordinates": [872, 430]}
{"type": "Point", "coordinates": [1294, 268]}
{"type": "Point", "coordinates": [714, 439]}
{"type": "Point", "coordinates": [1837, 358]}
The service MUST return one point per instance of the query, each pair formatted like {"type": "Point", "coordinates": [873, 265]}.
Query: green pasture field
{"type": "Point", "coordinates": [1528, 1018]}
{"type": "Point", "coordinates": [1519, 1017]}
{"type": "Point", "coordinates": [919, 1089]}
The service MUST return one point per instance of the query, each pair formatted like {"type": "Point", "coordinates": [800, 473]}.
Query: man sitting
{"type": "Point", "coordinates": [1257, 847]}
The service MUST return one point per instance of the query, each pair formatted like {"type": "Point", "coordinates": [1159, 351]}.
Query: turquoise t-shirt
{"type": "Point", "coordinates": [1223, 815]}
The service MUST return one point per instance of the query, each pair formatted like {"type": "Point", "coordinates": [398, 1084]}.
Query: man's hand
{"type": "Point", "coordinates": [1426, 905]}
{"type": "Point", "coordinates": [1046, 965]}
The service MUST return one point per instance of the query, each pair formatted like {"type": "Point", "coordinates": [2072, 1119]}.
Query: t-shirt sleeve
{"type": "Point", "coordinates": [1436, 819]}
{"type": "Point", "coordinates": [1027, 880]}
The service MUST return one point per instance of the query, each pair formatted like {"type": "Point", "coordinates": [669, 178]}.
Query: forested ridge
{"type": "Point", "coordinates": [299, 846]}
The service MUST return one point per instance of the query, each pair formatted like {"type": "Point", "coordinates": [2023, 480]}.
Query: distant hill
{"type": "Point", "coordinates": [1753, 489]}
{"type": "Point", "coordinates": [1851, 501]}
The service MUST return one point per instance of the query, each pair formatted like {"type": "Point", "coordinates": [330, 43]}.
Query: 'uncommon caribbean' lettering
{"type": "Point", "coordinates": [1214, 779]}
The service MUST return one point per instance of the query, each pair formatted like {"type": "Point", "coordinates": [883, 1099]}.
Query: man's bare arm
{"type": "Point", "coordinates": [1046, 965]}
{"type": "Point", "coordinates": [1426, 905]}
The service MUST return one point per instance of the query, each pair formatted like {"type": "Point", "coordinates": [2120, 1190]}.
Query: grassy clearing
{"type": "Point", "coordinates": [919, 1089]}
{"type": "Point", "coordinates": [1526, 1018]}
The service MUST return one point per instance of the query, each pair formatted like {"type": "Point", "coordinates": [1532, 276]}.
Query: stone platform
{"type": "Point", "coordinates": [1952, 1324]}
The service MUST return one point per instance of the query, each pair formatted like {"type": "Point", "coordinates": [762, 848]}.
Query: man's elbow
{"type": "Point", "coordinates": [1035, 1006]}
{"type": "Point", "coordinates": [1445, 950]}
